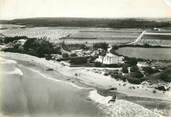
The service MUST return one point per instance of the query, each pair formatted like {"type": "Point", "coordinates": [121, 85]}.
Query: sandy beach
{"type": "Point", "coordinates": [86, 79]}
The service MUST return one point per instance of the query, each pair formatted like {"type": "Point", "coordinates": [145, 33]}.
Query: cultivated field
{"type": "Point", "coordinates": [75, 34]}
{"type": "Point", "coordinates": [146, 53]}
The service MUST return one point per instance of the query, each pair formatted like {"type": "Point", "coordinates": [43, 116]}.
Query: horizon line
{"type": "Point", "coordinates": [10, 19]}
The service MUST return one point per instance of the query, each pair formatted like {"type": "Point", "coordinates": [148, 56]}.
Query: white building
{"type": "Point", "coordinates": [110, 59]}
{"type": "Point", "coordinates": [21, 41]}
{"type": "Point", "coordinates": [142, 64]}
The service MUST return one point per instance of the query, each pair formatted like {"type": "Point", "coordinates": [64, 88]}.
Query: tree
{"type": "Point", "coordinates": [135, 80]}
{"type": "Point", "coordinates": [97, 64]}
{"type": "Point", "coordinates": [12, 39]}
{"type": "Point", "coordinates": [146, 45]}
{"type": "Point", "coordinates": [73, 55]}
{"type": "Point", "coordinates": [56, 49]}
{"type": "Point", "coordinates": [134, 68]}
{"type": "Point", "coordinates": [103, 46]}
{"type": "Point", "coordinates": [103, 54]}
{"type": "Point", "coordinates": [124, 68]}
{"type": "Point", "coordinates": [78, 60]}
{"type": "Point", "coordinates": [166, 75]}
{"type": "Point", "coordinates": [65, 55]}
{"type": "Point", "coordinates": [38, 47]}
{"type": "Point", "coordinates": [136, 74]}
{"type": "Point", "coordinates": [131, 61]}
{"type": "Point", "coordinates": [149, 70]}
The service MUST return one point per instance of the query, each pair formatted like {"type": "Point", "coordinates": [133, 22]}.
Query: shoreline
{"type": "Point", "coordinates": [85, 77]}
{"type": "Point", "coordinates": [93, 83]}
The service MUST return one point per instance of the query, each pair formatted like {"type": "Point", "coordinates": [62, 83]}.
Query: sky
{"type": "Point", "coordinates": [12, 9]}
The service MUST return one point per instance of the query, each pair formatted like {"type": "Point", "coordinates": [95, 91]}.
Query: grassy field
{"type": "Point", "coordinates": [75, 34]}
{"type": "Point", "coordinates": [88, 35]}
{"type": "Point", "coordinates": [146, 53]}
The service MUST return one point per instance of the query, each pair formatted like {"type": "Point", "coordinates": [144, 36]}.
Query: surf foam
{"type": "Point", "coordinates": [16, 71]}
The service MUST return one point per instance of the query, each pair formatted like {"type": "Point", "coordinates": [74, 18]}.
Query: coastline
{"type": "Point", "coordinates": [84, 79]}
{"type": "Point", "coordinates": [34, 92]}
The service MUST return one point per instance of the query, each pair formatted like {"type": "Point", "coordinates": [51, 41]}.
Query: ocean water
{"type": "Point", "coordinates": [27, 92]}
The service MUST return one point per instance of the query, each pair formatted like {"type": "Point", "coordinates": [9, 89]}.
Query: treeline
{"type": "Point", "coordinates": [40, 47]}
{"type": "Point", "coordinates": [92, 22]}
{"type": "Point", "coordinates": [33, 46]}
{"type": "Point", "coordinates": [7, 40]}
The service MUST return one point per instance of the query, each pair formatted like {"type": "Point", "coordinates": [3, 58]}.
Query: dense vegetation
{"type": "Point", "coordinates": [33, 46]}
{"type": "Point", "coordinates": [103, 46]}
{"type": "Point", "coordinates": [11, 39]}
{"type": "Point", "coordinates": [166, 75]}
{"type": "Point", "coordinates": [70, 47]}
{"type": "Point", "coordinates": [39, 47]}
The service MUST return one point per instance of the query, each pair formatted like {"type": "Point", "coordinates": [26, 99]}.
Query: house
{"type": "Point", "coordinates": [110, 59]}
{"type": "Point", "coordinates": [142, 64]}
{"type": "Point", "coordinates": [21, 41]}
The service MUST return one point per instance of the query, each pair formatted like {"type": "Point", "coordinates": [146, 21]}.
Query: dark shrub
{"type": "Point", "coordinates": [146, 45]}
{"type": "Point", "coordinates": [166, 76]}
{"type": "Point", "coordinates": [48, 56]}
{"type": "Point", "coordinates": [161, 88]}
{"type": "Point", "coordinates": [65, 55]}
{"type": "Point", "coordinates": [136, 74]}
{"type": "Point", "coordinates": [114, 47]}
{"type": "Point", "coordinates": [78, 60]}
{"type": "Point", "coordinates": [134, 80]}
{"type": "Point", "coordinates": [57, 50]}
{"type": "Point", "coordinates": [106, 74]}
{"type": "Point", "coordinates": [12, 39]}
{"type": "Point", "coordinates": [70, 47]}
{"type": "Point", "coordinates": [103, 46]}
{"type": "Point", "coordinates": [118, 76]}
{"type": "Point", "coordinates": [97, 64]}
{"type": "Point", "coordinates": [134, 68]}
{"type": "Point", "coordinates": [149, 70]}
{"type": "Point", "coordinates": [112, 65]}
{"type": "Point", "coordinates": [124, 68]}
{"type": "Point", "coordinates": [73, 55]}
{"type": "Point", "coordinates": [131, 61]}
{"type": "Point", "coordinates": [154, 91]}
{"type": "Point", "coordinates": [1, 40]}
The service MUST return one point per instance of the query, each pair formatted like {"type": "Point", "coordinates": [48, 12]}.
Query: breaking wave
{"type": "Point", "coordinates": [9, 67]}
{"type": "Point", "coordinates": [5, 61]}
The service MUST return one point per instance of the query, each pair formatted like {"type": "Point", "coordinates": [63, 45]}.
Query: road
{"type": "Point", "coordinates": [148, 33]}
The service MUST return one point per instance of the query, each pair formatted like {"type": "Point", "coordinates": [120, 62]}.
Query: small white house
{"type": "Point", "coordinates": [21, 41]}
{"type": "Point", "coordinates": [142, 64]}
